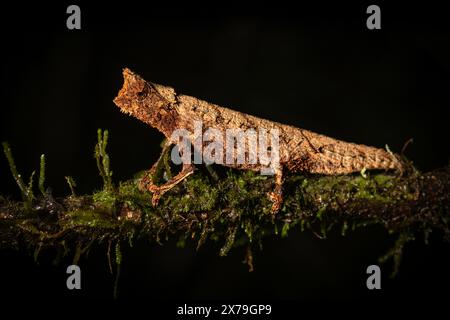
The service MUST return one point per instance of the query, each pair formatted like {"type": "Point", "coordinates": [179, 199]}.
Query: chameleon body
{"type": "Point", "coordinates": [299, 149]}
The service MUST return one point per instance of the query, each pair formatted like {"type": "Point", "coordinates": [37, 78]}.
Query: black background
{"type": "Point", "coordinates": [315, 67]}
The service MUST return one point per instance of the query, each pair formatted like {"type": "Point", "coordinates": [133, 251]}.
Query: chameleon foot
{"type": "Point", "coordinates": [277, 201]}
{"type": "Point", "coordinates": [157, 191]}
{"type": "Point", "coordinates": [276, 196]}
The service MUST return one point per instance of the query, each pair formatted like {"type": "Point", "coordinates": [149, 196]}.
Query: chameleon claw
{"type": "Point", "coordinates": [155, 199]}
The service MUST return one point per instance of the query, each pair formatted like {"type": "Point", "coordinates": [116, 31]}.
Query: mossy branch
{"type": "Point", "coordinates": [224, 205]}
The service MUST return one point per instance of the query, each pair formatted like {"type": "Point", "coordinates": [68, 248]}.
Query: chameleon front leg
{"type": "Point", "coordinates": [148, 183]}
{"type": "Point", "coordinates": [158, 191]}
{"type": "Point", "coordinates": [276, 196]}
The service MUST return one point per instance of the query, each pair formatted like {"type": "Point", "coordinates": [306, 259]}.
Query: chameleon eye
{"type": "Point", "coordinates": [142, 94]}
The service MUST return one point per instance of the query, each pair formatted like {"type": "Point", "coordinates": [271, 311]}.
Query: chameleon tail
{"type": "Point", "coordinates": [331, 156]}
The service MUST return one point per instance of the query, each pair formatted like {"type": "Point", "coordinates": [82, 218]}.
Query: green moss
{"type": "Point", "coordinates": [396, 252]}
{"type": "Point", "coordinates": [105, 200]}
{"type": "Point", "coordinates": [25, 190]}
{"type": "Point", "coordinates": [344, 228]}
{"type": "Point", "coordinates": [102, 159]}
{"type": "Point", "coordinates": [204, 194]}
{"type": "Point", "coordinates": [71, 182]}
{"type": "Point", "coordinates": [384, 181]}
{"type": "Point", "coordinates": [248, 228]}
{"type": "Point", "coordinates": [118, 254]}
{"type": "Point", "coordinates": [284, 230]}
{"type": "Point", "coordinates": [42, 175]}
{"type": "Point", "coordinates": [231, 234]}
{"type": "Point", "coordinates": [91, 219]}
{"type": "Point", "coordinates": [129, 193]}
{"type": "Point", "coordinates": [321, 212]}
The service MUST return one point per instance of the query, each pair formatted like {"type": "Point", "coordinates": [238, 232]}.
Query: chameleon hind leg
{"type": "Point", "coordinates": [148, 181]}
{"type": "Point", "coordinates": [276, 196]}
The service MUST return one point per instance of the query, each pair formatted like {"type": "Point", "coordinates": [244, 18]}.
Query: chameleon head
{"type": "Point", "coordinates": [151, 103]}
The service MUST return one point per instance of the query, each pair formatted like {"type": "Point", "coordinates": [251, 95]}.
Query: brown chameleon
{"type": "Point", "coordinates": [299, 149]}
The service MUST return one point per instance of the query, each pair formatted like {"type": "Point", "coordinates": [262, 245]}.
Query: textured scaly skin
{"type": "Point", "coordinates": [299, 149]}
